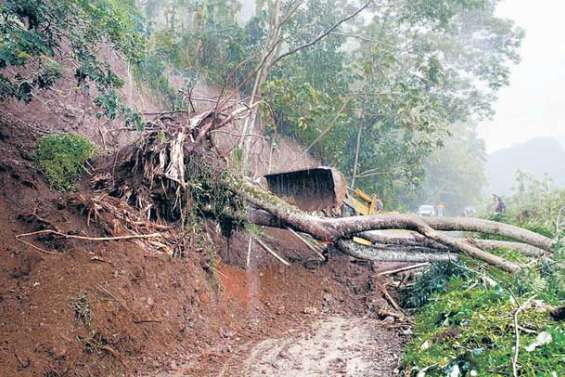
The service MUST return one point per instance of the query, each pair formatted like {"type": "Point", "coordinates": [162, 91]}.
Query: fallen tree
{"type": "Point", "coordinates": [392, 253]}
{"type": "Point", "coordinates": [176, 172]}
{"type": "Point", "coordinates": [333, 229]}
{"type": "Point", "coordinates": [470, 224]}
{"type": "Point", "coordinates": [413, 239]}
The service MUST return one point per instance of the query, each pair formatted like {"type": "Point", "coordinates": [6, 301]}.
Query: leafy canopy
{"type": "Point", "coordinates": [408, 75]}
{"type": "Point", "coordinates": [401, 77]}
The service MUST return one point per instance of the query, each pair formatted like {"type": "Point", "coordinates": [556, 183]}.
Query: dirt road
{"type": "Point", "coordinates": [333, 346]}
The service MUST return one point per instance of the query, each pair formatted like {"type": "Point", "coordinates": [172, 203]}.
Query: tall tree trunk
{"type": "Point", "coordinates": [272, 56]}
{"type": "Point", "coordinates": [357, 150]}
{"type": "Point", "coordinates": [270, 51]}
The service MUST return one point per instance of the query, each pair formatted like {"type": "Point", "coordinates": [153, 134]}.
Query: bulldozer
{"type": "Point", "coordinates": [321, 189]}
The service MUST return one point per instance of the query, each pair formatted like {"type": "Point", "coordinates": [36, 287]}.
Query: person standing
{"type": "Point", "coordinates": [499, 207]}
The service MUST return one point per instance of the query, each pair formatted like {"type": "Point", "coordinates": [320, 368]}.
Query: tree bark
{"type": "Point", "coordinates": [396, 254]}
{"type": "Point", "coordinates": [165, 160]}
{"type": "Point", "coordinates": [470, 224]}
{"type": "Point", "coordinates": [406, 238]}
{"type": "Point", "coordinates": [357, 150]}
{"type": "Point", "coordinates": [522, 248]}
{"type": "Point", "coordinates": [410, 238]}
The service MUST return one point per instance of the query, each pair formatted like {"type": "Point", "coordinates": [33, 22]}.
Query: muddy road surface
{"type": "Point", "coordinates": [331, 346]}
{"type": "Point", "coordinates": [334, 346]}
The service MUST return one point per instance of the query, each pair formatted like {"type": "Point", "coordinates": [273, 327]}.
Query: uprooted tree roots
{"type": "Point", "coordinates": [176, 174]}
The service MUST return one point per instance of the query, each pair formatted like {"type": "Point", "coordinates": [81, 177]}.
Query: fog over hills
{"type": "Point", "coordinates": [538, 156]}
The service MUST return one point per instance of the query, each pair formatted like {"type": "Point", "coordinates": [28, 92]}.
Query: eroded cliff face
{"type": "Point", "coordinates": [80, 307]}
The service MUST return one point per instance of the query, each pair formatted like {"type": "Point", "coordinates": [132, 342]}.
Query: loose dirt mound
{"type": "Point", "coordinates": [74, 308]}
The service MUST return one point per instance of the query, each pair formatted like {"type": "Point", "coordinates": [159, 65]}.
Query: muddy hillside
{"type": "Point", "coordinates": [81, 296]}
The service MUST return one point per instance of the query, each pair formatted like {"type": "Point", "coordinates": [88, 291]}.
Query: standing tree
{"type": "Point", "coordinates": [454, 174]}
{"type": "Point", "coordinates": [409, 73]}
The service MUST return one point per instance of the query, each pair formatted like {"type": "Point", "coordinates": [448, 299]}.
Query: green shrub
{"type": "Point", "coordinates": [435, 279]}
{"type": "Point", "coordinates": [61, 157]}
{"type": "Point", "coordinates": [468, 325]}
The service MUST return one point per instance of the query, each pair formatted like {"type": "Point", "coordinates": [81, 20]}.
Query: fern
{"type": "Point", "coordinates": [433, 280]}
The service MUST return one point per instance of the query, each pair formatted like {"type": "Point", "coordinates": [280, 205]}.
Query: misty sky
{"type": "Point", "coordinates": [534, 103]}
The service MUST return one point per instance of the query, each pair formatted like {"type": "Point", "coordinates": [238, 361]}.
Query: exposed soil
{"type": "Point", "coordinates": [85, 308]}
{"type": "Point", "coordinates": [333, 346]}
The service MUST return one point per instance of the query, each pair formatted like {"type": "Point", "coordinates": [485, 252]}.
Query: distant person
{"type": "Point", "coordinates": [499, 206]}
{"type": "Point", "coordinates": [440, 210]}
{"type": "Point", "coordinates": [379, 205]}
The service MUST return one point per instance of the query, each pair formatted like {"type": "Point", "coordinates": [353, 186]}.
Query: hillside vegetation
{"type": "Point", "coordinates": [374, 96]}
{"type": "Point", "coordinates": [137, 237]}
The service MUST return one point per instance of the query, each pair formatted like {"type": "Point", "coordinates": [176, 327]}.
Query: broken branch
{"type": "Point", "coordinates": [270, 251]}
{"type": "Point", "coordinates": [117, 238]}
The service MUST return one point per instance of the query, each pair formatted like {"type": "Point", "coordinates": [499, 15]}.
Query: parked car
{"type": "Point", "coordinates": [426, 210]}
{"type": "Point", "coordinates": [470, 211]}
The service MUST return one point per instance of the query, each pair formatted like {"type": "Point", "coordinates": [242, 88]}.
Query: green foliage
{"type": "Point", "coordinates": [111, 107]}
{"type": "Point", "coordinates": [33, 33]}
{"type": "Point", "coordinates": [399, 78]}
{"type": "Point", "coordinates": [301, 111]}
{"type": "Point", "coordinates": [467, 322]}
{"type": "Point", "coordinates": [408, 76]}
{"type": "Point", "coordinates": [537, 205]}
{"type": "Point", "coordinates": [62, 157]}
{"type": "Point", "coordinates": [404, 77]}
{"type": "Point", "coordinates": [469, 325]}
{"type": "Point", "coordinates": [198, 40]}
{"type": "Point", "coordinates": [152, 71]}
{"type": "Point", "coordinates": [433, 280]}
{"type": "Point", "coordinates": [210, 196]}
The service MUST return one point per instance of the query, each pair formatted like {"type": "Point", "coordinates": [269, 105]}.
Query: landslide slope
{"type": "Point", "coordinates": [71, 307]}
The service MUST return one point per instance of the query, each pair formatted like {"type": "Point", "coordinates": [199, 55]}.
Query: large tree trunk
{"type": "Point", "coordinates": [522, 248]}
{"type": "Point", "coordinates": [392, 254]}
{"type": "Point", "coordinates": [333, 229]}
{"type": "Point", "coordinates": [414, 239]}
{"type": "Point", "coordinates": [164, 166]}
{"type": "Point", "coordinates": [401, 238]}
{"type": "Point", "coordinates": [470, 224]}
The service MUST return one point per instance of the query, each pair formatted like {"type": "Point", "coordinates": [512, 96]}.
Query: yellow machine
{"type": "Point", "coordinates": [323, 189]}
{"type": "Point", "coordinates": [362, 203]}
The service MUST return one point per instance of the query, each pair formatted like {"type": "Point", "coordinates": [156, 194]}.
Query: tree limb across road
{"type": "Point", "coordinates": [422, 239]}
{"type": "Point", "coordinates": [276, 211]}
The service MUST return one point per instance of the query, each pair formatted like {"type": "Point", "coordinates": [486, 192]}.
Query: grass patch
{"type": "Point", "coordinates": [433, 280]}
{"type": "Point", "coordinates": [61, 157]}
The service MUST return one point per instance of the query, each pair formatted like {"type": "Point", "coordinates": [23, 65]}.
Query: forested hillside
{"type": "Point", "coordinates": [370, 88]}
{"type": "Point", "coordinates": [372, 95]}
{"type": "Point", "coordinates": [145, 229]}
